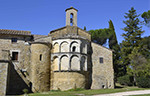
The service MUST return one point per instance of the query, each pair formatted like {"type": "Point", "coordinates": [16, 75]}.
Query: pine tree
{"type": "Point", "coordinates": [132, 36]}
{"type": "Point", "coordinates": [100, 36]}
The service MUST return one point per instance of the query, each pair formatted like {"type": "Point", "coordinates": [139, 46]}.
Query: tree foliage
{"type": "Point", "coordinates": [113, 44]}
{"type": "Point", "coordinates": [132, 36]}
{"type": "Point", "coordinates": [100, 36]}
{"type": "Point", "coordinates": [146, 17]}
{"type": "Point", "coordinates": [85, 28]}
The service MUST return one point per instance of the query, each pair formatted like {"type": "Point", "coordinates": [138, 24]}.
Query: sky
{"type": "Point", "coordinates": [42, 16]}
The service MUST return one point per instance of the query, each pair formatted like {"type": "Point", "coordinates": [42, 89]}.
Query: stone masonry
{"type": "Point", "coordinates": [64, 59]}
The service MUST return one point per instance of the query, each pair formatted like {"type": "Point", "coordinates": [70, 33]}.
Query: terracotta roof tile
{"type": "Point", "coordinates": [14, 32]}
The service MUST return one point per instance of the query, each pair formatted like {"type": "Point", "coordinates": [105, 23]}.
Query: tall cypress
{"type": "Point", "coordinates": [113, 44]}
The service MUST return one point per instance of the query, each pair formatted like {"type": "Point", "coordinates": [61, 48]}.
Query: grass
{"type": "Point", "coordinates": [141, 95]}
{"type": "Point", "coordinates": [78, 91]}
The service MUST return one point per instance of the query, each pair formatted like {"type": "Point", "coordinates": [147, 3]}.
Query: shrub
{"type": "Point", "coordinates": [25, 91]}
{"type": "Point", "coordinates": [126, 80]}
{"type": "Point", "coordinates": [143, 82]}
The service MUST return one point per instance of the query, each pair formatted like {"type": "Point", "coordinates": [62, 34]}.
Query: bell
{"type": "Point", "coordinates": [71, 20]}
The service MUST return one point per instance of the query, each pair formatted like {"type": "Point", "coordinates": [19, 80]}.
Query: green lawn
{"type": "Point", "coordinates": [86, 92]}
{"type": "Point", "coordinates": [141, 95]}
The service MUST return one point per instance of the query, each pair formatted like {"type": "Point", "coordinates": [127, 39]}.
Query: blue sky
{"type": "Point", "coordinates": [42, 16]}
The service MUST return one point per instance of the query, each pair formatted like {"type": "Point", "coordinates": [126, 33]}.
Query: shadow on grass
{"type": "Point", "coordinates": [118, 87]}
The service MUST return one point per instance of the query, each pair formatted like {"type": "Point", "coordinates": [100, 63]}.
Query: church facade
{"type": "Point", "coordinates": [64, 59]}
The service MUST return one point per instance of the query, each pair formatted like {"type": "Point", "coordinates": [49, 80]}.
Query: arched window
{"type": "Point", "coordinates": [73, 48]}
{"type": "Point", "coordinates": [71, 19]}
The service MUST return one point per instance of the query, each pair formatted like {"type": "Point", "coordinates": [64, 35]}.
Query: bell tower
{"type": "Point", "coordinates": [71, 16]}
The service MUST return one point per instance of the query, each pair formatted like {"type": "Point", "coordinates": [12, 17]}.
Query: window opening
{"type": "Point", "coordinates": [15, 56]}
{"type": "Point", "coordinates": [71, 19]}
{"type": "Point", "coordinates": [103, 86]}
{"type": "Point", "coordinates": [40, 57]}
{"type": "Point", "coordinates": [101, 60]}
{"type": "Point", "coordinates": [14, 40]}
{"type": "Point", "coordinates": [73, 49]}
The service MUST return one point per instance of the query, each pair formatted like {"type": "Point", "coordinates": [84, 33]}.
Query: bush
{"type": "Point", "coordinates": [126, 80]}
{"type": "Point", "coordinates": [143, 82]}
{"type": "Point", "coordinates": [25, 91]}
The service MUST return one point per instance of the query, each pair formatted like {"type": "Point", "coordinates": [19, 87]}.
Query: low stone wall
{"type": "Point", "coordinates": [69, 80]}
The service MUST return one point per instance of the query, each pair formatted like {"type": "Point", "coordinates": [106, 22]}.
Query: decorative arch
{"type": "Point", "coordinates": [64, 62]}
{"type": "Point", "coordinates": [55, 47]}
{"type": "Point", "coordinates": [55, 64]}
{"type": "Point", "coordinates": [75, 63]}
{"type": "Point", "coordinates": [64, 47]}
{"type": "Point", "coordinates": [74, 46]}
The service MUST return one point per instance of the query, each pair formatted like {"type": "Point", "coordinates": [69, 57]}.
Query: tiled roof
{"type": "Point", "coordinates": [14, 32]}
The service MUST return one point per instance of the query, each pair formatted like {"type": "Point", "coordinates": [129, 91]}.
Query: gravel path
{"type": "Point", "coordinates": [126, 93]}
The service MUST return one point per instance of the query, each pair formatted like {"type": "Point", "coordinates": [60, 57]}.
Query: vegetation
{"type": "Point", "coordinates": [131, 58]}
{"type": "Point", "coordinates": [126, 80]}
{"type": "Point", "coordinates": [143, 82]}
{"type": "Point", "coordinates": [146, 17]}
{"type": "Point", "coordinates": [85, 92]}
{"type": "Point", "coordinates": [134, 48]}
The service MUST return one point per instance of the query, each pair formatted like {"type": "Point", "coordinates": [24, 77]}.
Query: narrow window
{"type": "Point", "coordinates": [101, 60]}
{"type": "Point", "coordinates": [73, 49]}
{"type": "Point", "coordinates": [40, 57]}
{"type": "Point", "coordinates": [14, 40]}
{"type": "Point", "coordinates": [71, 19]}
{"type": "Point", "coordinates": [15, 56]}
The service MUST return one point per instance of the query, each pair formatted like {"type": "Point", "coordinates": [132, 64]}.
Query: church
{"type": "Point", "coordinates": [64, 59]}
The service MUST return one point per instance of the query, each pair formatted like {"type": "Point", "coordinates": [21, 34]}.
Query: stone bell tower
{"type": "Point", "coordinates": [71, 16]}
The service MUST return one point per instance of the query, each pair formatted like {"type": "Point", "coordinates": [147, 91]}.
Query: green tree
{"type": "Point", "coordinates": [145, 45]}
{"type": "Point", "coordinates": [85, 28]}
{"type": "Point", "coordinates": [132, 37]}
{"type": "Point", "coordinates": [146, 17]}
{"type": "Point", "coordinates": [100, 36]}
{"type": "Point", "coordinates": [113, 44]}
{"type": "Point", "coordinates": [137, 63]}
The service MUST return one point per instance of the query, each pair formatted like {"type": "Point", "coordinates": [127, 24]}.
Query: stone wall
{"type": "Point", "coordinates": [69, 30]}
{"type": "Point", "coordinates": [69, 80]}
{"type": "Point", "coordinates": [40, 65]}
{"type": "Point", "coordinates": [102, 73]}
{"type": "Point", "coordinates": [16, 84]}
{"type": "Point", "coordinates": [3, 77]}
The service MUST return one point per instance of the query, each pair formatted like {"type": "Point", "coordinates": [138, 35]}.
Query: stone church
{"type": "Point", "coordinates": [64, 59]}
